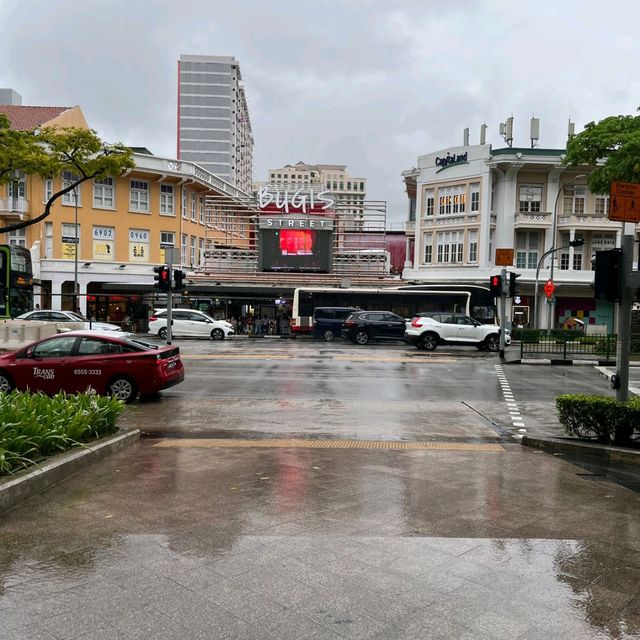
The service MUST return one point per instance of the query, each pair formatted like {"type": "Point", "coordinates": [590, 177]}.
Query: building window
{"type": "Point", "coordinates": [70, 240]}
{"type": "Point", "coordinates": [527, 249]}
{"type": "Point", "coordinates": [573, 201]}
{"type": "Point", "coordinates": [139, 196]}
{"type": "Point", "coordinates": [183, 249]}
{"type": "Point", "coordinates": [451, 199]}
{"type": "Point", "coordinates": [168, 238]}
{"type": "Point", "coordinates": [184, 203]}
{"type": "Point", "coordinates": [577, 261]}
{"type": "Point", "coordinates": [475, 196]}
{"type": "Point", "coordinates": [103, 243]}
{"type": "Point", "coordinates": [564, 261]}
{"type": "Point", "coordinates": [167, 241]}
{"type": "Point", "coordinates": [201, 209]}
{"type": "Point", "coordinates": [450, 247]}
{"type": "Point", "coordinates": [429, 196]}
{"type": "Point", "coordinates": [200, 251]}
{"type": "Point", "coordinates": [428, 249]}
{"type": "Point", "coordinates": [48, 190]}
{"type": "Point", "coordinates": [193, 206]}
{"type": "Point", "coordinates": [167, 200]}
{"type": "Point", "coordinates": [192, 251]}
{"type": "Point", "coordinates": [472, 239]}
{"type": "Point", "coordinates": [602, 205]}
{"type": "Point", "coordinates": [18, 237]}
{"type": "Point", "coordinates": [69, 198]}
{"type": "Point", "coordinates": [139, 245]}
{"type": "Point", "coordinates": [530, 198]}
{"type": "Point", "coordinates": [48, 239]}
{"type": "Point", "coordinates": [103, 193]}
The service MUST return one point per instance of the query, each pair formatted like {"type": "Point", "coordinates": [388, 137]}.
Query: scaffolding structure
{"type": "Point", "coordinates": [231, 251]}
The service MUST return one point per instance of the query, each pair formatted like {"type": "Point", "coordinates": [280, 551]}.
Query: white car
{"type": "Point", "coordinates": [60, 317]}
{"type": "Point", "coordinates": [189, 323]}
{"type": "Point", "coordinates": [428, 330]}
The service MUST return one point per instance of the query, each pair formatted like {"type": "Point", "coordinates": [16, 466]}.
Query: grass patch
{"type": "Point", "coordinates": [34, 426]}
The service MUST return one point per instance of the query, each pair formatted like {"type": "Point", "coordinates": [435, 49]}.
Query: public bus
{"type": "Point", "coordinates": [16, 281]}
{"type": "Point", "coordinates": [408, 300]}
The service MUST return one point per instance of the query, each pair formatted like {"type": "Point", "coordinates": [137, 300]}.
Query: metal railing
{"type": "Point", "coordinates": [566, 345]}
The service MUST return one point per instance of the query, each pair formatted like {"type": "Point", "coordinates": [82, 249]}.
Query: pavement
{"type": "Point", "coordinates": [304, 492]}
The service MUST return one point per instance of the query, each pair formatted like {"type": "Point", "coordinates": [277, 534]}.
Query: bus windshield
{"type": "Point", "coordinates": [16, 281]}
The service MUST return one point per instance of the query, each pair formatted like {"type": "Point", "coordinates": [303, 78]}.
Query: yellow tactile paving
{"type": "Point", "coordinates": [327, 444]}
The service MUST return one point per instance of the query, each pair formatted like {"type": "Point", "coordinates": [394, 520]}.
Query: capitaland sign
{"type": "Point", "coordinates": [451, 160]}
{"type": "Point", "coordinates": [296, 222]}
{"type": "Point", "coordinates": [300, 201]}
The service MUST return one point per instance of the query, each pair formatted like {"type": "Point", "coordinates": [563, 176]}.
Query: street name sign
{"type": "Point", "coordinates": [624, 202]}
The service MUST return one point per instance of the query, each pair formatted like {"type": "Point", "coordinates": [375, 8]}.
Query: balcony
{"type": "Point", "coordinates": [410, 227]}
{"type": "Point", "coordinates": [533, 218]}
{"type": "Point", "coordinates": [14, 208]}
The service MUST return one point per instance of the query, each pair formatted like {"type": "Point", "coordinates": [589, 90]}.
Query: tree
{"type": "Point", "coordinates": [49, 152]}
{"type": "Point", "coordinates": [612, 146]}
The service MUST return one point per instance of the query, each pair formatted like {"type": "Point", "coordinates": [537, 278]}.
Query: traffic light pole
{"type": "Point", "coordinates": [169, 255]}
{"type": "Point", "coordinates": [503, 310]}
{"type": "Point", "coordinates": [629, 284]}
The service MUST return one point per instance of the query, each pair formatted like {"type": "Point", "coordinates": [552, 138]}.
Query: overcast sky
{"type": "Point", "coordinates": [366, 83]}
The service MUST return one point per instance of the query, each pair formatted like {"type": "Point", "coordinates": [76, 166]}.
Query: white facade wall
{"type": "Point", "coordinates": [521, 191]}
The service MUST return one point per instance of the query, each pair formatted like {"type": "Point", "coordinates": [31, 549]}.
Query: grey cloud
{"type": "Point", "coordinates": [367, 83]}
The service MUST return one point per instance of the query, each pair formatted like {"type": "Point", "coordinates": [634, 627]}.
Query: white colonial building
{"type": "Point", "coordinates": [466, 202]}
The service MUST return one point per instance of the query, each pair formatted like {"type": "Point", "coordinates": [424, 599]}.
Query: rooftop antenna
{"type": "Point", "coordinates": [534, 132]}
{"type": "Point", "coordinates": [465, 137]}
{"type": "Point", "coordinates": [483, 134]}
{"type": "Point", "coordinates": [506, 130]}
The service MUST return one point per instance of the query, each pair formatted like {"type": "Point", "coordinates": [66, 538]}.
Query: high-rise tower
{"type": "Point", "coordinates": [214, 128]}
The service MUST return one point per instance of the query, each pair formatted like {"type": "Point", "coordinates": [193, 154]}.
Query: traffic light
{"type": "Point", "coordinates": [513, 285]}
{"type": "Point", "coordinates": [608, 271]}
{"type": "Point", "coordinates": [162, 278]}
{"type": "Point", "coordinates": [178, 279]}
{"type": "Point", "coordinates": [495, 286]}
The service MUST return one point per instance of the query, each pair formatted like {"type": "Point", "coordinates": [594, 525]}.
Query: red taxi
{"type": "Point", "coordinates": [72, 362]}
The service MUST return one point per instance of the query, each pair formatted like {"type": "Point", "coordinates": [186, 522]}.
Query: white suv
{"type": "Point", "coordinates": [428, 330]}
{"type": "Point", "coordinates": [189, 323]}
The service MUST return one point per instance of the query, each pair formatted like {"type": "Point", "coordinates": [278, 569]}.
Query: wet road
{"type": "Point", "coordinates": [469, 537]}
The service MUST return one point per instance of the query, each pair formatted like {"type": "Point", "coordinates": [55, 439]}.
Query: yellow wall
{"type": "Point", "coordinates": [70, 118]}
{"type": "Point", "coordinates": [120, 218]}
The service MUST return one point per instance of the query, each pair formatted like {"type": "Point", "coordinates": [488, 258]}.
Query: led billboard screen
{"type": "Point", "coordinates": [295, 250]}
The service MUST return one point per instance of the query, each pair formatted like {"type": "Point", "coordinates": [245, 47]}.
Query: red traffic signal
{"type": "Point", "coordinates": [495, 286]}
{"type": "Point", "coordinates": [162, 279]}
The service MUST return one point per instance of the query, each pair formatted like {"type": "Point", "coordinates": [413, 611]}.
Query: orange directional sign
{"type": "Point", "coordinates": [549, 288]}
{"type": "Point", "coordinates": [504, 257]}
{"type": "Point", "coordinates": [624, 202]}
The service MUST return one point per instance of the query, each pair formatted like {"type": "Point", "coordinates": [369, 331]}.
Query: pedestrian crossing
{"type": "Point", "coordinates": [514, 413]}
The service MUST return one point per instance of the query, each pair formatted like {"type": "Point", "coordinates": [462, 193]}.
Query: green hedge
{"type": "Point", "coordinates": [599, 418]}
{"type": "Point", "coordinates": [35, 426]}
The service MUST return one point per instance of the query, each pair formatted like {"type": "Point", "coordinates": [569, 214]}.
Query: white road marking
{"type": "Point", "coordinates": [514, 413]}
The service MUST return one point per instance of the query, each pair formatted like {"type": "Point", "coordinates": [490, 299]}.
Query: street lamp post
{"type": "Point", "coordinates": [573, 243]}
{"type": "Point", "coordinates": [552, 250]}
{"type": "Point", "coordinates": [75, 252]}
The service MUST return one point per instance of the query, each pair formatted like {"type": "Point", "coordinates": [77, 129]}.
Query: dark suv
{"type": "Point", "coordinates": [362, 326]}
{"type": "Point", "coordinates": [327, 321]}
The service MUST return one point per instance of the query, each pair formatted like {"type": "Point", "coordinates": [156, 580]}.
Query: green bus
{"type": "Point", "coordinates": [16, 281]}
